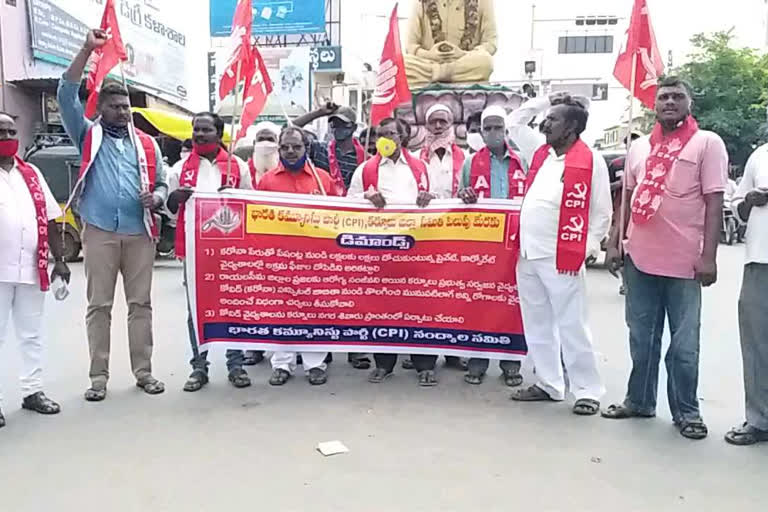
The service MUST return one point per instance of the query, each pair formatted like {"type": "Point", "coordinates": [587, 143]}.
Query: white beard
{"type": "Point", "coordinates": [265, 163]}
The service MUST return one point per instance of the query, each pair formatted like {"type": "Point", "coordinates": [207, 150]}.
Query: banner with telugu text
{"type": "Point", "coordinates": [284, 272]}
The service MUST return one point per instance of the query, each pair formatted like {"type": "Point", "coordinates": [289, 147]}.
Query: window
{"type": "Point", "coordinates": [585, 44]}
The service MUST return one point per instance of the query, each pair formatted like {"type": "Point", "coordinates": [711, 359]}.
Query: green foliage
{"type": "Point", "coordinates": [730, 90]}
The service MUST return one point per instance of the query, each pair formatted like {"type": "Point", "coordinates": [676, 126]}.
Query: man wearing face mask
{"type": "Point", "coordinates": [444, 158]}
{"type": "Point", "coordinates": [394, 176]}
{"type": "Point", "coordinates": [28, 232]}
{"type": "Point", "coordinates": [566, 212]}
{"type": "Point", "coordinates": [122, 183]}
{"type": "Point", "coordinates": [266, 156]}
{"type": "Point", "coordinates": [296, 174]}
{"type": "Point", "coordinates": [344, 153]}
{"type": "Point", "coordinates": [206, 169]}
{"type": "Point", "coordinates": [475, 140]}
{"type": "Point", "coordinates": [493, 171]}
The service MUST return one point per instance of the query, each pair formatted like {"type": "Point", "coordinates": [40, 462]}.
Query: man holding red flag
{"type": "Point", "coordinates": [121, 183]}
{"type": "Point", "coordinates": [676, 178]}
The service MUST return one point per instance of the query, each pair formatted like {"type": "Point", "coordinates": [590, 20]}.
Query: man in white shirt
{"type": "Point", "coordinates": [566, 212]}
{"type": "Point", "coordinates": [206, 169]}
{"type": "Point", "coordinates": [750, 205]}
{"type": "Point", "coordinates": [394, 176]}
{"type": "Point", "coordinates": [444, 158]}
{"type": "Point", "coordinates": [28, 232]}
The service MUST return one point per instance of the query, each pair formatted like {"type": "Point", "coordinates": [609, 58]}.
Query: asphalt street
{"type": "Point", "coordinates": [453, 447]}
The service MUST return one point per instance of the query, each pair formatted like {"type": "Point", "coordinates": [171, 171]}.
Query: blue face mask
{"type": "Point", "coordinates": [297, 166]}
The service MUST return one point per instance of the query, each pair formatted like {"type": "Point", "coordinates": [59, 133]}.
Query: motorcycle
{"type": "Point", "coordinates": [729, 233]}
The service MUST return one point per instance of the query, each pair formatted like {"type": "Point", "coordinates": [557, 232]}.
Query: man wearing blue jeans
{"type": "Point", "coordinates": [676, 178]}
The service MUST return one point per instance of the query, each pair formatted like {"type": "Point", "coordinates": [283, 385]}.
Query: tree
{"type": "Point", "coordinates": [730, 92]}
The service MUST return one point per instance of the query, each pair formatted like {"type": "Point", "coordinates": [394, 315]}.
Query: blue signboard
{"type": "Point", "coordinates": [272, 17]}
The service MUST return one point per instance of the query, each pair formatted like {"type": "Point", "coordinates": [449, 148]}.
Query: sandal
{"type": "Point", "coordinates": [531, 394]}
{"type": "Point", "coordinates": [40, 403]}
{"type": "Point", "coordinates": [359, 363]}
{"type": "Point", "coordinates": [622, 412]}
{"type": "Point", "coordinates": [695, 430]}
{"type": "Point", "coordinates": [474, 379]}
{"type": "Point", "coordinates": [239, 378]}
{"type": "Point", "coordinates": [379, 375]}
{"type": "Point", "coordinates": [279, 377]}
{"type": "Point", "coordinates": [151, 386]}
{"type": "Point", "coordinates": [512, 378]}
{"type": "Point", "coordinates": [457, 363]}
{"type": "Point", "coordinates": [197, 379]}
{"type": "Point", "coordinates": [253, 357]}
{"type": "Point", "coordinates": [407, 364]}
{"type": "Point", "coordinates": [427, 379]}
{"type": "Point", "coordinates": [746, 435]}
{"type": "Point", "coordinates": [317, 377]}
{"type": "Point", "coordinates": [95, 394]}
{"type": "Point", "coordinates": [586, 407]}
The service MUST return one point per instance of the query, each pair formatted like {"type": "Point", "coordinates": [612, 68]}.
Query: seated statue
{"type": "Point", "coordinates": [450, 41]}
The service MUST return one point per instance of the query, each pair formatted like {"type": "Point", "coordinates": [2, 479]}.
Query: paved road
{"type": "Point", "coordinates": [449, 448]}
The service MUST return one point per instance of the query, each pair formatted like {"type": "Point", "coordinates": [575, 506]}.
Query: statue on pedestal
{"type": "Point", "coordinates": [450, 41]}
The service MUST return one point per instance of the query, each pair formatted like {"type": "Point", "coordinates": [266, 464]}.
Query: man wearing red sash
{"type": "Point", "coordinates": [444, 158]}
{"type": "Point", "coordinates": [296, 174]}
{"type": "Point", "coordinates": [206, 169]}
{"type": "Point", "coordinates": [27, 232]}
{"type": "Point", "coordinates": [676, 178]}
{"type": "Point", "coordinates": [566, 213]}
{"type": "Point", "coordinates": [122, 183]}
{"type": "Point", "coordinates": [394, 176]}
{"type": "Point", "coordinates": [493, 171]}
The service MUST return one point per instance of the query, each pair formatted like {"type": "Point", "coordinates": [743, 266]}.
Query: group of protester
{"type": "Point", "coordinates": [666, 239]}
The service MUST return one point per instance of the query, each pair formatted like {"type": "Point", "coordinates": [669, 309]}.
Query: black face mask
{"type": "Point", "coordinates": [343, 132]}
{"type": "Point", "coordinates": [116, 132]}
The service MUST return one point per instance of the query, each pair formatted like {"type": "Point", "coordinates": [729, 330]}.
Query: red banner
{"type": "Point", "coordinates": [289, 272]}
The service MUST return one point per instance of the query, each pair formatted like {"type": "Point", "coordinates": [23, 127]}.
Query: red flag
{"type": "Point", "coordinates": [258, 88]}
{"type": "Point", "coordinates": [104, 59]}
{"type": "Point", "coordinates": [641, 41]}
{"type": "Point", "coordinates": [239, 48]}
{"type": "Point", "coordinates": [391, 82]}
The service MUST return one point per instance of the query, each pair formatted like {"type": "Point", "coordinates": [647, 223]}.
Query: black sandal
{"type": "Point", "coordinates": [151, 386]}
{"type": "Point", "coordinates": [40, 403]}
{"type": "Point", "coordinates": [531, 394]}
{"type": "Point", "coordinates": [746, 435]}
{"type": "Point", "coordinates": [253, 357]}
{"type": "Point", "coordinates": [427, 379]}
{"type": "Point", "coordinates": [586, 407]}
{"type": "Point", "coordinates": [407, 364]}
{"type": "Point", "coordinates": [695, 430]}
{"type": "Point", "coordinates": [622, 412]}
{"type": "Point", "coordinates": [379, 375]}
{"type": "Point", "coordinates": [279, 377]}
{"type": "Point", "coordinates": [359, 363]}
{"type": "Point", "coordinates": [512, 378]}
{"type": "Point", "coordinates": [96, 394]}
{"type": "Point", "coordinates": [197, 379]}
{"type": "Point", "coordinates": [239, 378]}
{"type": "Point", "coordinates": [474, 379]}
{"type": "Point", "coordinates": [317, 377]}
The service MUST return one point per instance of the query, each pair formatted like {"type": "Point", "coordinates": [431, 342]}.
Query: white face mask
{"type": "Point", "coordinates": [265, 147]}
{"type": "Point", "coordinates": [475, 141]}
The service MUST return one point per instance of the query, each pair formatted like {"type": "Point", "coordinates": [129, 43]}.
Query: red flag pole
{"type": "Point", "coordinates": [234, 121]}
{"type": "Point", "coordinates": [630, 126]}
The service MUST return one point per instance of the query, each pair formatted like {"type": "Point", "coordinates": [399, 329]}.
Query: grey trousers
{"type": "Point", "coordinates": [753, 327]}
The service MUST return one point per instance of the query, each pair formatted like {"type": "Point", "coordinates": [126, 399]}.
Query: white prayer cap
{"type": "Point", "coordinates": [493, 111]}
{"type": "Point", "coordinates": [265, 125]}
{"type": "Point", "coordinates": [437, 107]}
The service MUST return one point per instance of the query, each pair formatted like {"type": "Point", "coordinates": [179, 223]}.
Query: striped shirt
{"type": "Point", "coordinates": [318, 153]}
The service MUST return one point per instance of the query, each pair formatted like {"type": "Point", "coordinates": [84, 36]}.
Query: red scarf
{"type": "Point", "coordinates": [480, 174]}
{"type": "Point", "coordinates": [188, 178]}
{"type": "Point", "coordinates": [41, 212]}
{"type": "Point", "coordinates": [458, 164]}
{"type": "Point", "coordinates": [335, 169]}
{"type": "Point", "coordinates": [665, 151]}
{"type": "Point", "coordinates": [418, 168]}
{"type": "Point", "coordinates": [573, 229]}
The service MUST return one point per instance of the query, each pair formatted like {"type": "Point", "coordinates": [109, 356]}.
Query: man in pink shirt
{"type": "Point", "coordinates": [675, 178]}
